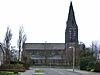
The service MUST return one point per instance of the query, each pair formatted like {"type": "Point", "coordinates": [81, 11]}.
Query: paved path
{"type": "Point", "coordinates": [27, 72]}
{"type": "Point", "coordinates": [49, 71]}
{"type": "Point", "coordinates": [53, 71]}
{"type": "Point", "coordinates": [84, 72]}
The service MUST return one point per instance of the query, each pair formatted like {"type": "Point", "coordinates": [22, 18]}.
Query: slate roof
{"type": "Point", "coordinates": [43, 46]}
{"type": "Point", "coordinates": [53, 57]}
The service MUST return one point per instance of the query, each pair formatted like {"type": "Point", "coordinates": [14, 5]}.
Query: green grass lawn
{"type": "Point", "coordinates": [39, 72]}
{"type": "Point", "coordinates": [7, 73]}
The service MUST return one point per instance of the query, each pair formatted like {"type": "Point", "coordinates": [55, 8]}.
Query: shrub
{"type": "Point", "coordinates": [97, 67]}
{"type": "Point", "coordinates": [13, 67]}
{"type": "Point", "coordinates": [86, 63]}
{"type": "Point", "coordinates": [83, 63]}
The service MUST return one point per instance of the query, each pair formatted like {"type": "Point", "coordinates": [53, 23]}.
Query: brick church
{"type": "Point", "coordinates": [56, 53]}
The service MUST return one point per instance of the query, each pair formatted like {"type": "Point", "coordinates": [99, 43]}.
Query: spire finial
{"type": "Point", "coordinates": [71, 5]}
{"type": "Point", "coordinates": [70, 2]}
{"type": "Point", "coordinates": [71, 16]}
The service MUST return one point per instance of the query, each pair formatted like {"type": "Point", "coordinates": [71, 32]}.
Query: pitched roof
{"type": "Point", "coordinates": [44, 46]}
{"type": "Point", "coordinates": [41, 57]}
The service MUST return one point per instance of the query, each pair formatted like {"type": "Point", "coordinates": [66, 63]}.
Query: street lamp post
{"type": "Point", "coordinates": [73, 56]}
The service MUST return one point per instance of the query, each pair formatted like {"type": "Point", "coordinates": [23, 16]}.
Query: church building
{"type": "Point", "coordinates": [56, 53]}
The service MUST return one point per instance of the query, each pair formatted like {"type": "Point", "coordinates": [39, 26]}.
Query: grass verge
{"type": "Point", "coordinates": [7, 73]}
{"type": "Point", "coordinates": [38, 72]}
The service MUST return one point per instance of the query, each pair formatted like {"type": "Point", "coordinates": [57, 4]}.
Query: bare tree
{"type": "Point", "coordinates": [95, 49]}
{"type": "Point", "coordinates": [7, 43]}
{"type": "Point", "coordinates": [21, 41]}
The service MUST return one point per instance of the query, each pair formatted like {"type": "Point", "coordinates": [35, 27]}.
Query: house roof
{"type": "Point", "coordinates": [44, 46]}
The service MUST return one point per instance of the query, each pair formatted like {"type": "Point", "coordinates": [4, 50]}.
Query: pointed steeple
{"type": "Point", "coordinates": [71, 32]}
{"type": "Point", "coordinates": [71, 17]}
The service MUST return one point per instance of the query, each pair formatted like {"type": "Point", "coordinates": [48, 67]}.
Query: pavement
{"type": "Point", "coordinates": [54, 71]}
{"type": "Point", "coordinates": [27, 72]}
{"type": "Point", "coordinates": [83, 72]}
{"type": "Point", "coordinates": [63, 72]}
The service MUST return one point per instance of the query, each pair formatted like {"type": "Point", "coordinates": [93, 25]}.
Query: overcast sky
{"type": "Point", "coordinates": [45, 20]}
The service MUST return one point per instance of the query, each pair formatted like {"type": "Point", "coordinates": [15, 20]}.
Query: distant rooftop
{"type": "Point", "coordinates": [53, 57]}
{"type": "Point", "coordinates": [42, 46]}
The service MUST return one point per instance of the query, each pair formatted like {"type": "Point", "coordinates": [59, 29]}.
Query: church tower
{"type": "Point", "coordinates": [71, 32]}
{"type": "Point", "coordinates": [71, 38]}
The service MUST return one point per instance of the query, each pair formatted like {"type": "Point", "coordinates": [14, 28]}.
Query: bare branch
{"type": "Point", "coordinates": [7, 43]}
{"type": "Point", "coordinates": [21, 40]}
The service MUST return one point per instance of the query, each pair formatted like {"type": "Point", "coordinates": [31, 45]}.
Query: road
{"type": "Point", "coordinates": [53, 71]}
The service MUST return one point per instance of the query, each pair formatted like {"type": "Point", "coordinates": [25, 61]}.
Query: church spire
{"type": "Point", "coordinates": [71, 17]}
{"type": "Point", "coordinates": [71, 32]}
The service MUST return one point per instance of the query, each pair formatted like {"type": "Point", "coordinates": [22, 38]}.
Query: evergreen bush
{"type": "Point", "coordinates": [97, 67]}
